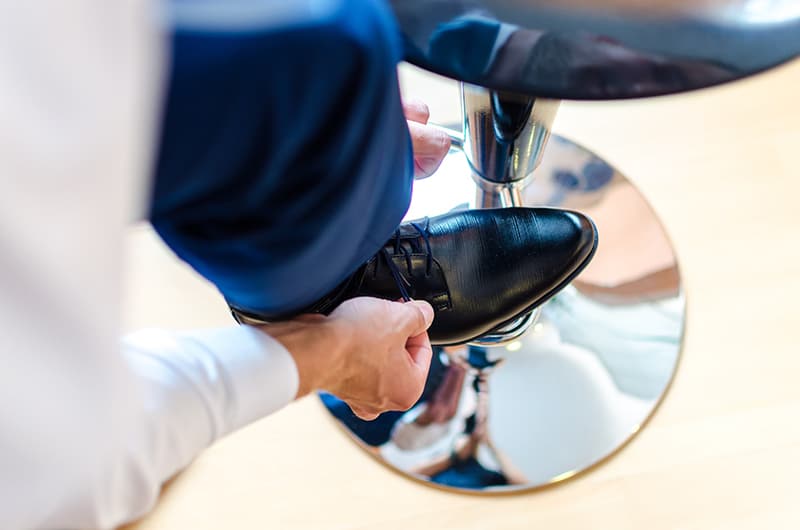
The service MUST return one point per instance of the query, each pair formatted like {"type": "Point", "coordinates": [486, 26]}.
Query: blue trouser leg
{"type": "Point", "coordinates": [284, 161]}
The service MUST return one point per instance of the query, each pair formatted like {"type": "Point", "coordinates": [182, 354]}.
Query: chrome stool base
{"type": "Point", "coordinates": [527, 411]}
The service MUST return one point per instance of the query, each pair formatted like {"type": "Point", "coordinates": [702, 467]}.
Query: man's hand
{"type": "Point", "coordinates": [430, 145]}
{"type": "Point", "coordinates": [371, 353]}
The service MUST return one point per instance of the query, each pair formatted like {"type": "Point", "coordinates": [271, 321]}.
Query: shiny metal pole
{"type": "Point", "coordinates": [504, 139]}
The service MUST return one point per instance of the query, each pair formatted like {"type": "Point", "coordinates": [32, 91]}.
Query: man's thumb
{"type": "Point", "coordinates": [420, 317]}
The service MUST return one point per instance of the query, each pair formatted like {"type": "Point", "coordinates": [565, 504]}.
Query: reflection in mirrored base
{"type": "Point", "coordinates": [585, 377]}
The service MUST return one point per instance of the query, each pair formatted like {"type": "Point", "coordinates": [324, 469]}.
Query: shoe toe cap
{"type": "Point", "coordinates": [526, 256]}
{"type": "Point", "coordinates": [566, 240]}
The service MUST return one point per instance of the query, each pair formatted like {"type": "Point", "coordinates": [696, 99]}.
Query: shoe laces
{"type": "Point", "coordinates": [398, 249]}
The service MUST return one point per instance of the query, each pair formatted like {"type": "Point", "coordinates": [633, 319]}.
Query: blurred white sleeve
{"type": "Point", "coordinates": [87, 433]}
{"type": "Point", "coordinates": [198, 386]}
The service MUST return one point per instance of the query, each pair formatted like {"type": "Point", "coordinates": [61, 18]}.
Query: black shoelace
{"type": "Point", "coordinates": [402, 282]}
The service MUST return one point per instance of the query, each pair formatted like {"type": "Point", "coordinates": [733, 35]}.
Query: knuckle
{"type": "Point", "coordinates": [417, 107]}
{"type": "Point", "coordinates": [443, 142]}
{"type": "Point", "coordinates": [364, 413]}
{"type": "Point", "coordinates": [385, 405]}
{"type": "Point", "coordinates": [406, 402]}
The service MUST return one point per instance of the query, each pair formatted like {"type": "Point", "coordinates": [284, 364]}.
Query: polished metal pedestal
{"type": "Point", "coordinates": [580, 383]}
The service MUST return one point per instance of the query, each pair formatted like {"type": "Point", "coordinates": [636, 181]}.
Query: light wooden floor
{"type": "Point", "coordinates": [722, 167]}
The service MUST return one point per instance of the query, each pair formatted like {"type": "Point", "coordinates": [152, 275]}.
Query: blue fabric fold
{"type": "Point", "coordinates": [284, 159]}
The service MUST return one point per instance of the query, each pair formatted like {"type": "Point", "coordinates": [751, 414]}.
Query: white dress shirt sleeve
{"type": "Point", "coordinates": [89, 429]}
{"type": "Point", "coordinates": [198, 386]}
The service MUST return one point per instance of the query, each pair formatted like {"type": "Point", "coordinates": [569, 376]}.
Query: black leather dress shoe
{"type": "Point", "coordinates": [479, 269]}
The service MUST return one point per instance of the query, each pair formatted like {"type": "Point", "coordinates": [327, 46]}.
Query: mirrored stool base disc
{"type": "Point", "coordinates": [580, 383]}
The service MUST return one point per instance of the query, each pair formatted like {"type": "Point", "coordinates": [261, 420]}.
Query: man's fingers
{"type": "Point", "coordinates": [363, 413]}
{"type": "Point", "coordinates": [391, 361]}
{"type": "Point", "coordinates": [416, 110]}
{"type": "Point", "coordinates": [421, 352]}
{"type": "Point", "coordinates": [430, 147]}
{"type": "Point", "coordinates": [417, 317]}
